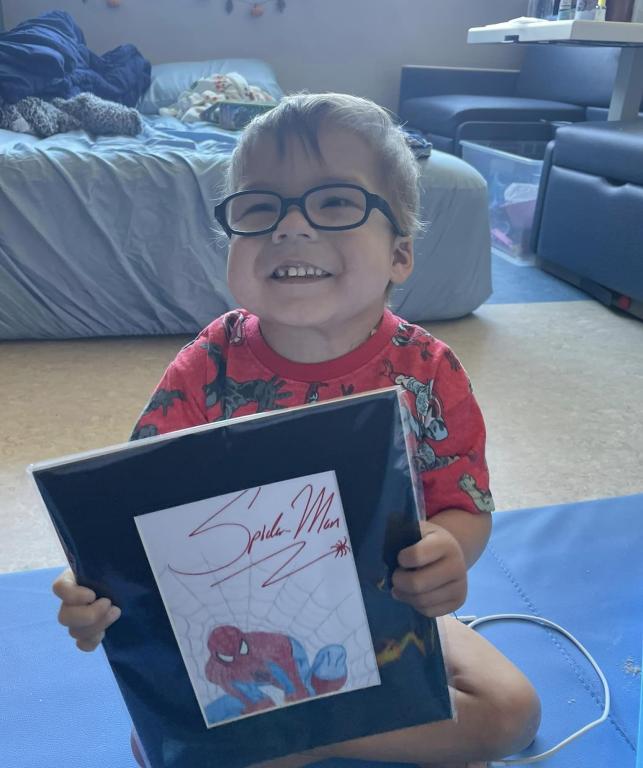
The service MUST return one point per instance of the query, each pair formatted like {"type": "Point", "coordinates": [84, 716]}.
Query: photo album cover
{"type": "Point", "coordinates": [252, 561]}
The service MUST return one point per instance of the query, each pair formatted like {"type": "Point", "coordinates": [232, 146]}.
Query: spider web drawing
{"type": "Point", "coordinates": [305, 606]}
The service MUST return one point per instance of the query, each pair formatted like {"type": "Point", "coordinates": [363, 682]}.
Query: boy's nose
{"type": "Point", "coordinates": [294, 224]}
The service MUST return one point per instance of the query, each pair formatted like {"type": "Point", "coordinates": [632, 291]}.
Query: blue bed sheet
{"type": "Point", "coordinates": [112, 235]}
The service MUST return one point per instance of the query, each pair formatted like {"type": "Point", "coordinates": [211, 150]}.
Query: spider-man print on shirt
{"type": "Point", "coordinates": [164, 399]}
{"type": "Point", "coordinates": [427, 423]}
{"type": "Point", "coordinates": [404, 337]}
{"type": "Point", "coordinates": [312, 395]}
{"type": "Point", "coordinates": [236, 394]}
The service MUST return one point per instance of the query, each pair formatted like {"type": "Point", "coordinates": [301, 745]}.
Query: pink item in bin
{"type": "Point", "coordinates": [502, 238]}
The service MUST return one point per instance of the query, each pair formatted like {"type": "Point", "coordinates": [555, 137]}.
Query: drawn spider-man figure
{"type": "Point", "coordinates": [242, 662]}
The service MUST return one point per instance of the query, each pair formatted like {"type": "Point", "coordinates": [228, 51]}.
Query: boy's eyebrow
{"type": "Point", "coordinates": [262, 184]}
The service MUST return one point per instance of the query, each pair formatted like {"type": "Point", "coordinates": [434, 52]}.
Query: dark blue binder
{"type": "Point", "coordinates": [93, 500]}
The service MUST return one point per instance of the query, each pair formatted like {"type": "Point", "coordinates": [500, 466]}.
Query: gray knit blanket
{"type": "Point", "coordinates": [85, 111]}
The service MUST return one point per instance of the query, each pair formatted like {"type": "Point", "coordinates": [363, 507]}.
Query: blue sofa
{"type": "Point", "coordinates": [588, 224]}
{"type": "Point", "coordinates": [554, 84]}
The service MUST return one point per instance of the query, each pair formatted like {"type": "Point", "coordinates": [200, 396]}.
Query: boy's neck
{"type": "Point", "coordinates": [318, 344]}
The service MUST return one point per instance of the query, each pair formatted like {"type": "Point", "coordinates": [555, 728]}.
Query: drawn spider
{"type": "Point", "coordinates": [341, 548]}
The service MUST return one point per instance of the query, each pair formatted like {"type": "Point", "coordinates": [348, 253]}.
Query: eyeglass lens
{"type": "Point", "coordinates": [329, 207]}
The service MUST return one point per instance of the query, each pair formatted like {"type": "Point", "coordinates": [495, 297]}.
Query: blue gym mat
{"type": "Point", "coordinates": [579, 565]}
{"type": "Point", "coordinates": [516, 284]}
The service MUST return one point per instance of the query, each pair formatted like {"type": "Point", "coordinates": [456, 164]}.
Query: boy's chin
{"type": "Point", "coordinates": [297, 317]}
{"type": "Point", "coordinates": [322, 316]}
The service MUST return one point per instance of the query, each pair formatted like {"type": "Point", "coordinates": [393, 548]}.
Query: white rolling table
{"type": "Point", "coordinates": [628, 85]}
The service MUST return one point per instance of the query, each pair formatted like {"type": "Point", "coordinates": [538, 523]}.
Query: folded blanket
{"type": "Point", "coordinates": [47, 57]}
{"type": "Point", "coordinates": [192, 105]}
{"type": "Point", "coordinates": [85, 111]}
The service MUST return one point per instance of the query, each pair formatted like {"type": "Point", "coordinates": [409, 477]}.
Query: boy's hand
{"type": "Point", "coordinates": [86, 617]}
{"type": "Point", "coordinates": [432, 576]}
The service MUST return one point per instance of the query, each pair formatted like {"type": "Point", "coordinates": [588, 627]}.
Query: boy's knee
{"type": "Point", "coordinates": [514, 718]}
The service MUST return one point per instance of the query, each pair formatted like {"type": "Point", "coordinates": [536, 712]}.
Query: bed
{"type": "Point", "coordinates": [114, 236]}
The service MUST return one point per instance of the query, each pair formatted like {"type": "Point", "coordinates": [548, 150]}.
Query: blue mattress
{"type": "Point", "coordinates": [577, 564]}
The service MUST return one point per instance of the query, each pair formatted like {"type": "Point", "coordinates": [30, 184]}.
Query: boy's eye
{"type": "Point", "coordinates": [259, 208]}
{"type": "Point", "coordinates": [255, 210]}
{"type": "Point", "coordinates": [337, 202]}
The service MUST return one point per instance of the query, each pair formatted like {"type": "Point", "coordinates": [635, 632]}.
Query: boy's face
{"type": "Point", "coordinates": [358, 264]}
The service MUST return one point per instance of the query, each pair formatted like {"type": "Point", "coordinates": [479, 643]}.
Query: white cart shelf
{"type": "Point", "coordinates": [628, 85]}
{"type": "Point", "coordinates": [616, 33]}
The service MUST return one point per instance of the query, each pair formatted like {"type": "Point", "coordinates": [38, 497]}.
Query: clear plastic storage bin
{"type": "Point", "coordinates": [512, 171]}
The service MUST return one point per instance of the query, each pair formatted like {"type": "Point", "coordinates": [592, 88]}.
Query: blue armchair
{"type": "Point", "coordinates": [588, 225]}
{"type": "Point", "coordinates": [554, 84]}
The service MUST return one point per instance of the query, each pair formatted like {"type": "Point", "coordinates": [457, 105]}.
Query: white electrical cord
{"type": "Point", "coordinates": [474, 622]}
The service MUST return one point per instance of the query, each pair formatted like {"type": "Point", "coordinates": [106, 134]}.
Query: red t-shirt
{"type": "Point", "coordinates": [229, 370]}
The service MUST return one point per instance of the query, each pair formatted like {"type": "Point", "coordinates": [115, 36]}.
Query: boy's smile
{"type": "Point", "coordinates": [317, 293]}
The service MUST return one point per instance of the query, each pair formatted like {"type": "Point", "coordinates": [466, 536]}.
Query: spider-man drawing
{"type": "Point", "coordinates": [242, 662]}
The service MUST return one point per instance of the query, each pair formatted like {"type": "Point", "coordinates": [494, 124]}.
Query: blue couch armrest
{"type": "Point", "coordinates": [419, 80]}
{"type": "Point", "coordinates": [542, 188]}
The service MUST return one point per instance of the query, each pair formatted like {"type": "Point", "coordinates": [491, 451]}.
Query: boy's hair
{"type": "Point", "coordinates": [303, 114]}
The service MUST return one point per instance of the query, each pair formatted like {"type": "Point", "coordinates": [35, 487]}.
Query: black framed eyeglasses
{"type": "Point", "coordinates": [331, 207]}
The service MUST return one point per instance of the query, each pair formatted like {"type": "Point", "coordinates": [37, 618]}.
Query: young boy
{"type": "Point", "coordinates": [321, 216]}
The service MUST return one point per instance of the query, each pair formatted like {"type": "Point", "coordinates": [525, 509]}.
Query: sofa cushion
{"type": "Point", "coordinates": [575, 75]}
{"type": "Point", "coordinates": [612, 150]}
{"type": "Point", "coordinates": [444, 113]}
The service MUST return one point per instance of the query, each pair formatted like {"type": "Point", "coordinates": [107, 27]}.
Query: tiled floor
{"type": "Point", "coordinates": [561, 386]}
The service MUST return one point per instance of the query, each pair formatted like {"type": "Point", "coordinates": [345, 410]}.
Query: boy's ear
{"type": "Point", "coordinates": [402, 265]}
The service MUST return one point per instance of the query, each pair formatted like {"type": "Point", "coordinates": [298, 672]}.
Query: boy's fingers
{"type": "Point", "coordinates": [66, 588]}
{"type": "Point", "coordinates": [454, 594]}
{"type": "Point", "coordinates": [418, 556]}
{"type": "Point", "coordinates": [421, 553]}
{"type": "Point", "coordinates": [79, 616]}
{"type": "Point", "coordinates": [85, 634]}
{"type": "Point", "coordinates": [90, 645]}
{"type": "Point", "coordinates": [426, 579]}
{"type": "Point", "coordinates": [95, 632]}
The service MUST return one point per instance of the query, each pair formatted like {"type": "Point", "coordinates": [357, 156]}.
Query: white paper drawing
{"type": "Point", "coordinates": [262, 592]}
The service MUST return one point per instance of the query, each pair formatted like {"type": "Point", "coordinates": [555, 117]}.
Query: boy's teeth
{"type": "Point", "coordinates": [299, 271]}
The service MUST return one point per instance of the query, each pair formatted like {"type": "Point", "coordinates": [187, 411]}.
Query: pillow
{"type": "Point", "coordinates": [170, 80]}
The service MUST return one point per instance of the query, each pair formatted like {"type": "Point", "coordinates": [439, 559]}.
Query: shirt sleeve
{"type": "Point", "coordinates": [452, 455]}
{"type": "Point", "coordinates": [179, 400]}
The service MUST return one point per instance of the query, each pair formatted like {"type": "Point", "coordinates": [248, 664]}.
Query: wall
{"type": "Point", "coordinates": [356, 46]}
